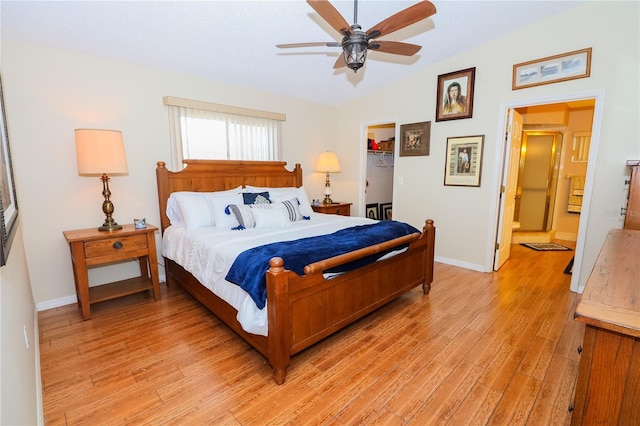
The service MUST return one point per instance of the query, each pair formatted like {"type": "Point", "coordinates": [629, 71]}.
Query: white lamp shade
{"type": "Point", "coordinates": [328, 163]}
{"type": "Point", "coordinates": [100, 151]}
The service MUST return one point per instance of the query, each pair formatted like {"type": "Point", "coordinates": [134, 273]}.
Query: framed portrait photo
{"type": "Point", "coordinates": [415, 139]}
{"type": "Point", "coordinates": [454, 98]}
{"type": "Point", "coordinates": [386, 211]}
{"type": "Point", "coordinates": [463, 163]}
{"type": "Point", "coordinates": [372, 211]}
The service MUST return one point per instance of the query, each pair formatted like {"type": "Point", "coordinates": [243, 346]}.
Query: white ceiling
{"type": "Point", "coordinates": [234, 41]}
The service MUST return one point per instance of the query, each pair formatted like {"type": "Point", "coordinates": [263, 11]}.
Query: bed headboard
{"type": "Point", "coordinates": [218, 175]}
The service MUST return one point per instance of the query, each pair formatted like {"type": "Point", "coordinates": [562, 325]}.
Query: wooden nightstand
{"type": "Point", "coordinates": [342, 209]}
{"type": "Point", "coordinates": [90, 247]}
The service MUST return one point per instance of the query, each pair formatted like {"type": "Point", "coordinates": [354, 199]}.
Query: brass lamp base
{"type": "Point", "coordinates": [327, 200]}
{"type": "Point", "coordinates": [110, 227]}
{"type": "Point", "coordinates": [107, 207]}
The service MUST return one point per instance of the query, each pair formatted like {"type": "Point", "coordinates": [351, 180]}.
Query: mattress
{"type": "Point", "coordinates": [208, 253]}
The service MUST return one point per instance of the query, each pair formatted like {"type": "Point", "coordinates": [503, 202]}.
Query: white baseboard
{"type": "Point", "coordinates": [465, 265]}
{"type": "Point", "coordinates": [70, 300]}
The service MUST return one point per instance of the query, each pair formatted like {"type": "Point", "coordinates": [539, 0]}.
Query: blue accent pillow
{"type": "Point", "coordinates": [256, 198]}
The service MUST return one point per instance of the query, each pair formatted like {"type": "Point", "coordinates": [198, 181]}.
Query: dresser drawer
{"type": "Point", "coordinates": [115, 245]}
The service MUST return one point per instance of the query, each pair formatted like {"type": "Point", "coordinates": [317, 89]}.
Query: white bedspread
{"type": "Point", "coordinates": [208, 253]}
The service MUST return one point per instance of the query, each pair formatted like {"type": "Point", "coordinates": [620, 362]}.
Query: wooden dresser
{"type": "Point", "coordinates": [632, 214]}
{"type": "Point", "coordinates": [608, 384]}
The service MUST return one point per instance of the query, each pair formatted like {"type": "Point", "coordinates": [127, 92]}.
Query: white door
{"type": "Point", "coordinates": [509, 188]}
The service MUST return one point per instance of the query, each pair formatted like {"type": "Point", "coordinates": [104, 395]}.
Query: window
{"type": "Point", "coordinates": [210, 131]}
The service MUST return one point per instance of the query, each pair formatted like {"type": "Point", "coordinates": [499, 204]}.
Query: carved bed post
{"type": "Point", "coordinates": [279, 319]}
{"type": "Point", "coordinates": [430, 232]}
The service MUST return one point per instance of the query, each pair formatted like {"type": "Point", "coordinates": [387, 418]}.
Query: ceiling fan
{"type": "Point", "coordinates": [356, 42]}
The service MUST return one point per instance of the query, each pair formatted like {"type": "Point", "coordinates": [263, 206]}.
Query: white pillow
{"type": "Point", "coordinates": [284, 194]}
{"type": "Point", "coordinates": [173, 211]}
{"type": "Point", "coordinates": [243, 215]}
{"type": "Point", "coordinates": [225, 219]}
{"type": "Point", "coordinates": [196, 209]}
{"type": "Point", "coordinates": [276, 217]}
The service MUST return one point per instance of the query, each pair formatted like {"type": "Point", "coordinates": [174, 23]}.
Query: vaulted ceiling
{"type": "Point", "coordinates": [234, 41]}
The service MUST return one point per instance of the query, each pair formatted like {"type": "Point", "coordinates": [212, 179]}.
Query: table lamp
{"type": "Point", "coordinates": [328, 163]}
{"type": "Point", "coordinates": [101, 152]}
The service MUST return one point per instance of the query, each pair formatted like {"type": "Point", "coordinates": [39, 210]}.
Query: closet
{"type": "Point", "coordinates": [379, 172]}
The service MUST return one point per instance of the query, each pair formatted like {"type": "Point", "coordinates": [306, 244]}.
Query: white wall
{"type": "Point", "coordinates": [51, 92]}
{"type": "Point", "coordinates": [20, 377]}
{"type": "Point", "coordinates": [465, 216]}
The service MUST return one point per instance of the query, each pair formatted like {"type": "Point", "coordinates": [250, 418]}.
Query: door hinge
{"type": "Point", "coordinates": [497, 246]}
{"type": "Point", "coordinates": [502, 189]}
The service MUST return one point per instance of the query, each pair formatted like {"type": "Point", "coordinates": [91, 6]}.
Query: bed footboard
{"type": "Point", "coordinates": [305, 309]}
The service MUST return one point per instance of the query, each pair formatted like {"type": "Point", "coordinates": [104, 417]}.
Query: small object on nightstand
{"type": "Point", "coordinates": [90, 247]}
{"type": "Point", "coordinates": [342, 209]}
{"type": "Point", "coordinates": [140, 223]}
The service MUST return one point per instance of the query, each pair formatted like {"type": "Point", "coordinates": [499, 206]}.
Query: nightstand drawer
{"type": "Point", "coordinates": [113, 246]}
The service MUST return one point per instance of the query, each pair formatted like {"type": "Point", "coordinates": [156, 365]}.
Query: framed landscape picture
{"type": "Point", "coordinates": [552, 69]}
{"type": "Point", "coordinates": [463, 163]}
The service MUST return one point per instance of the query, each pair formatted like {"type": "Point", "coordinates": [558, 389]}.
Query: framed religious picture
{"type": "Point", "coordinates": [8, 203]}
{"type": "Point", "coordinates": [415, 139]}
{"type": "Point", "coordinates": [463, 166]}
{"type": "Point", "coordinates": [454, 99]}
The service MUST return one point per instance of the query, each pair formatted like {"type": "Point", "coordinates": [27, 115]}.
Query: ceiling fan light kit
{"type": "Point", "coordinates": [356, 42]}
{"type": "Point", "coordinates": [354, 48]}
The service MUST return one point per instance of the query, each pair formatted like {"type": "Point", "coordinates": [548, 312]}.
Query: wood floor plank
{"type": "Point", "coordinates": [480, 349]}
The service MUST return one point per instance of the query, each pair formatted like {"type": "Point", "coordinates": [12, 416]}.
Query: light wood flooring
{"type": "Point", "coordinates": [494, 349]}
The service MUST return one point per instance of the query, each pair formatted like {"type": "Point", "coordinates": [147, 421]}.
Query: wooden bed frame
{"type": "Point", "coordinates": [302, 310]}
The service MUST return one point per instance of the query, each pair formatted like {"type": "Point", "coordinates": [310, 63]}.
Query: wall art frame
{"type": "Point", "coordinates": [454, 97]}
{"type": "Point", "coordinates": [463, 162]}
{"type": "Point", "coordinates": [8, 198]}
{"type": "Point", "coordinates": [415, 139]}
{"type": "Point", "coordinates": [372, 211]}
{"type": "Point", "coordinates": [552, 69]}
{"type": "Point", "coordinates": [386, 211]}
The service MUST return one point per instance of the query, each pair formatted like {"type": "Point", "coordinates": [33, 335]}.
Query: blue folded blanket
{"type": "Point", "coordinates": [248, 270]}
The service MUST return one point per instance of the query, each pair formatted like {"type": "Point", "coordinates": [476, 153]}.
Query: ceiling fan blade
{"type": "Point", "coordinates": [395, 47]}
{"type": "Point", "coordinates": [311, 44]}
{"type": "Point", "coordinates": [340, 62]}
{"type": "Point", "coordinates": [331, 15]}
{"type": "Point", "coordinates": [402, 19]}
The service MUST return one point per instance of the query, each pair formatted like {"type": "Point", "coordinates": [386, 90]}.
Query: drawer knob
{"type": "Point", "coordinates": [579, 349]}
{"type": "Point", "coordinates": [118, 245]}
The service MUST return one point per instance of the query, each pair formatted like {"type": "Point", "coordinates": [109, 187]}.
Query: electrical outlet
{"type": "Point", "coordinates": [26, 336]}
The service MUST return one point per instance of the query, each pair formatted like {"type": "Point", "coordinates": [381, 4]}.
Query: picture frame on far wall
{"type": "Point", "coordinates": [454, 97]}
{"type": "Point", "coordinates": [552, 69]}
{"type": "Point", "coordinates": [372, 211]}
{"type": "Point", "coordinates": [415, 139]}
{"type": "Point", "coordinates": [463, 162]}
{"type": "Point", "coordinates": [386, 211]}
{"type": "Point", "coordinates": [8, 203]}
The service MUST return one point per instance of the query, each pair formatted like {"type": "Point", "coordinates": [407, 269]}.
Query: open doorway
{"type": "Point", "coordinates": [571, 121]}
{"type": "Point", "coordinates": [379, 170]}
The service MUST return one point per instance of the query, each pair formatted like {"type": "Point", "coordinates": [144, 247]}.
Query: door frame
{"type": "Point", "coordinates": [598, 112]}
{"type": "Point", "coordinates": [364, 126]}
